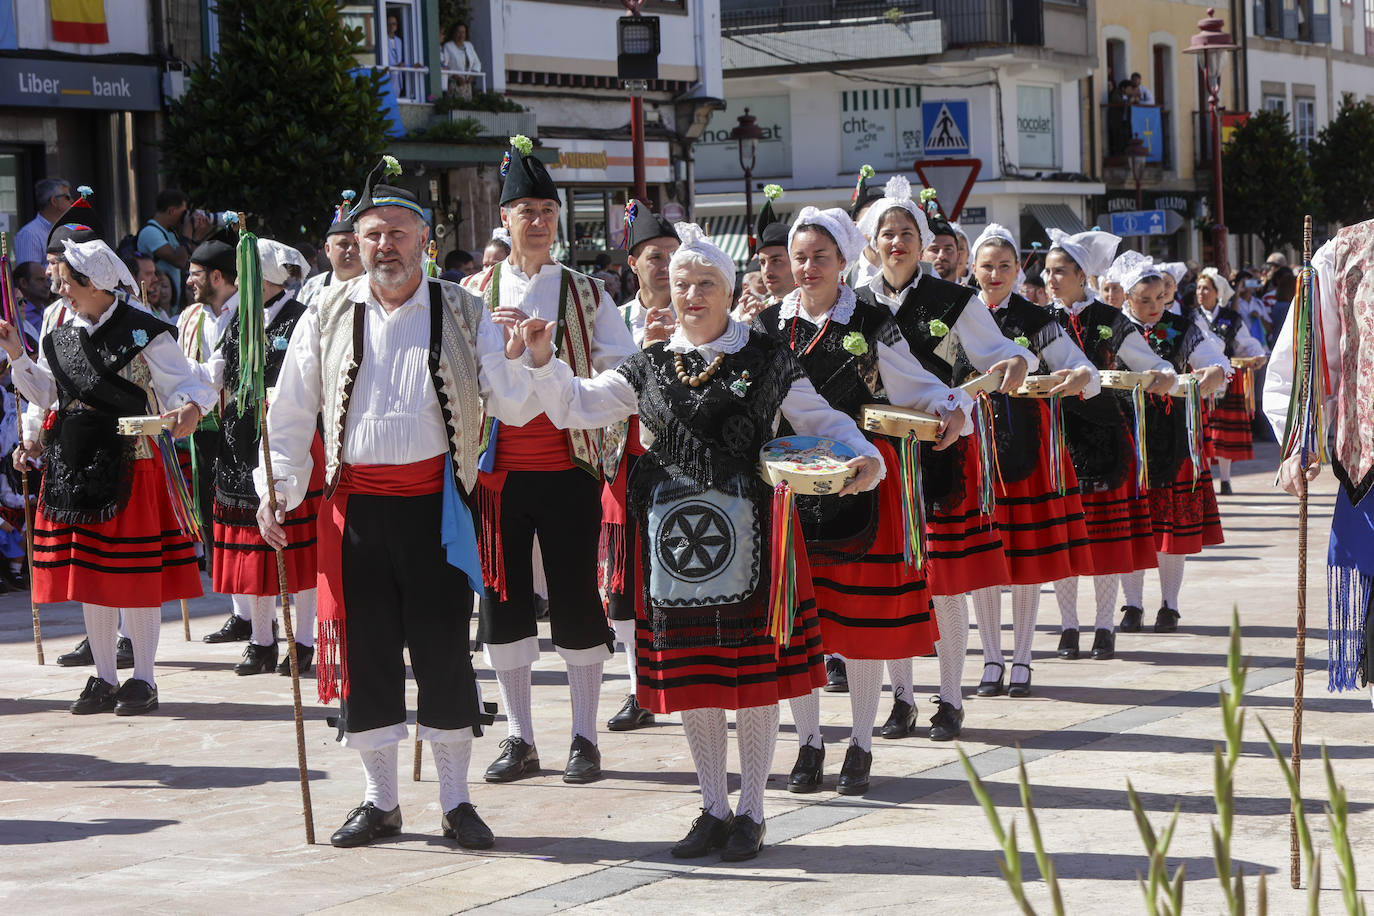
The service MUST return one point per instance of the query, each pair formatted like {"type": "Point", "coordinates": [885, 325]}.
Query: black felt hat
{"type": "Point", "coordinates": [216, 254]}
{"type": "Point", "coordinates": [643, 225]}
{"type": "Point", "coordinates": [935, 217]}
{"type": "Point", "coordinates": [343, 218]}
{"type": "Point", "coordinates": [525, 176]}
{"type": "Point", "coordinates": [863, 195]}
{"type": "Point", "coordinates": [768, 229]}
{"type": "Point", "coordinates": [376, 194]}
{"type": "Point", "coordinates": [76, 224]}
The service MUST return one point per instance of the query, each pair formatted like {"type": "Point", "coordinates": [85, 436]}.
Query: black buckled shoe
{"type": "Point", "coordinates": [902, 721]}
{"type": "Point", "coordinates": [258, 660]}
{"type": "Point", "coordinates": [708, 834]}
{"type": "Point", "coordinates": [135, 697]}
{"type": "Point", "coordinates": [992, 688]}
{"type": "Point", "coordinates": [744, 842]}
{"type": "Point", "coordinates": [304, 656]}
{"type": "Point", "coordinates": [630, 717]}
{"type": "Point", "coordinates": [584, 762]}
{"type": "Point", "coordinates": [1068, 645]}
{"type": "Point", "coordinates": [235, 629]}
{"type": "Point", "coordinates": [1166, 621]}
{"type": "Point", "coordinates": [1104, 645]}
{"type": "Point", "coordinates": [947, 723]}
{"type": "Point", "coordinates": [98, 696]}
{"type": "Point", "coordinates": [1132, 618]}
{"type": "Point", "coordinates": [464, 825]}
{"type": "Point", "coordinates": [81, 655]}
{"type": "Point", "coordinates": [809, 770]}
{"type": "Point", "coordinates": [854, 773]}
{"type": "Point", "coordinates": [1019, 688]}
{"type": "Point", "coordinates": [836, 675]}
{"type": "Point", "coordinates": [1225, 488]}
{"type": "Point", "coordinates": [517, 760]}
{"type": "Point", "coordinates": [366, 823]}
{"type": "Point", "coordinates": [124, 652]}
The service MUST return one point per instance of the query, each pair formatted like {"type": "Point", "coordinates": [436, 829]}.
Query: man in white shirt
{"type": "Point", "coordinates": [1142, 94]}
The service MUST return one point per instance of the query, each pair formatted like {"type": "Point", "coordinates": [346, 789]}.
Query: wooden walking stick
{"type": "Point", "coordinates": [418, 747]}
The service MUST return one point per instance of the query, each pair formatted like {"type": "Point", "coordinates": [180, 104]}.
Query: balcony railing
{"type": "Point", "coordinates": [967, 23]}
{"type": "Point", "coordinates": [1117, 133]}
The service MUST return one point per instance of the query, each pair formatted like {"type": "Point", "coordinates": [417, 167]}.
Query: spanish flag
{"type": "Point", "coordinates": [79, 22]}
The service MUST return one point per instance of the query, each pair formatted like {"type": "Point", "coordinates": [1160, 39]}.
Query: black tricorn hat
{"type": "Point", "coordinates": [76, 224]}
{"type": "Point", "coordinates": [768, 229]}
{"type": "Point", "coordinates": [384, 195]}
{"type": "Point", "coordinates": [643, 225]}
{"type": "Point", "coordinates": [343, 219]}
{"type": "Point", "coordinates": [525, 176]}
{"type": "Point", "coordinates": [863, 195]}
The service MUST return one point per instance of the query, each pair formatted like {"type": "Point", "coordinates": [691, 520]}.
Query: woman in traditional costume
{"type": "Point", "coordinates": [1231, 418]}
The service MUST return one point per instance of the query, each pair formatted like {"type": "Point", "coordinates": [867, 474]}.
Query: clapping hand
{"type": "Point", "coordinates": [538, 339]}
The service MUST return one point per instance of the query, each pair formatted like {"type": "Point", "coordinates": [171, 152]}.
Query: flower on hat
{"type": "Point", "coordinates": [855, 343]}
{"type": "Point", "coordinates": [866, 170]}
{"type": "Point", "coordinates": [390, 166]}
{"type": "Point", "coordinates": [348, 194]}
{"type": "Point", "coordinates": [522, 143]}
{"type": "Point", "coordinates": [85, 190]}
{"type": "Point", "coordinates": [772, 191]}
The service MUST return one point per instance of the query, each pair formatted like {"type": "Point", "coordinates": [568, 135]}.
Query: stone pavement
{"type": "Point", "coordinates": [197, 807]}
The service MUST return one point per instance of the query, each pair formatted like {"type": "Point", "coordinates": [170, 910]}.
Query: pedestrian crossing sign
{"type": "Point", "coordinates": [945, 127]}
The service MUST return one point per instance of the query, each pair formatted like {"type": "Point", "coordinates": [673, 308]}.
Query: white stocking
{"type": "Point", "coordinates": [303, 621]}
{"type": "Point", "coordinates": [951, 615]}
{"type": "Point", "coordinates": [262, 610]}
{"type": "Point", "coordinates": [379, 777]}
{"type": "Point", "coordinates": [899, 676]}
{"type": "Point", "coordinates": [987, 609]}
{"type": "Point", "coordinates": [1104, 587]}
{"type": "Point", "coordinates": [625, 635]}
{"type": "Point", "coordinates": [1066, 590]}
{"type": "Point", "coordinates": [1171, 577]}
{"type": "Point", "coordinates": [756, 730]}
{"type": "Point", "coordinates": [515, 699]}
{"type": "Point", "coordinates": [1133, 586]}
{"type": "Point", "coordinates": [584, 683]}
{"type": "Point", "coordinates": [145, 625]}
{"type": "Point", "coordinates": [706, 738]}
{"type": "Point", "coordinates": [101, 624]}
{"type": "Point", "coordinates": [243, 606]}
{"type": "Point", "coordinates": [1223, 471]}
{"type": "Point", "coordinates": [806, 714]}
{"type": "Point", "coordinates": [1025, 605]}
{"type": "Point", "coordinates": [865, 688]}
{"type": "Point", "coordinates": [451, 759]}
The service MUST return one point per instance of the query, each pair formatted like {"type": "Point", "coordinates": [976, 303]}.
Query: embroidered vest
{"type": "Point", "coordinates": [1226, 325]}
{"type": "Point", "coordinates": [1096, 428]}
{"type": "Point", "coordinates": [931, 300]}
{"type": "Point", "coordinates": [1173, 338]}
{"type": "Point", "coordinates": [1353, 423]}
{"type": "Point", "coordinates": [1017, 420]}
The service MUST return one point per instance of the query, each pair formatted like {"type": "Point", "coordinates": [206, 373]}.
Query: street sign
{"type": "Point", "coordinates": [944, 125]}
{"type": "Point", "coordinates": [1146, 222]}
{"type": "Point", "coordinates": [952, 180]}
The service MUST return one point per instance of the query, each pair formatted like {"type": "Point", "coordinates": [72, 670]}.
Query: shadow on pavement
{"type": "Point", "coordinates": [58, 767]}
{"type": "Point", "coordinates": [24, 833]}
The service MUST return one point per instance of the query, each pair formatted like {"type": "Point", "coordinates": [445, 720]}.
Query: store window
{"type": "Point", "coordinates": [1035, 131]}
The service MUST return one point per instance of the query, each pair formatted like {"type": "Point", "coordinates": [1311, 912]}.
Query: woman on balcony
{"type": "Point", "coordinates": [459, 60]}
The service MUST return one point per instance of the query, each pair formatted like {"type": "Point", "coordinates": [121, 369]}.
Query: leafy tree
{"type": "Point", "coordinates": [1345, 182]}
{"type": "Point", "coordinates": [277, 124]}
{"type": "Point", "coordinates": [1267, 181]}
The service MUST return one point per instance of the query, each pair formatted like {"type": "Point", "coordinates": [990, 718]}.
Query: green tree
{"type": "Point", "coordinates": [1345, 182]}
{"type": "Point", "coordinates": [277, 124]}
{"type": "Point", "coordinates": [1268, 183]}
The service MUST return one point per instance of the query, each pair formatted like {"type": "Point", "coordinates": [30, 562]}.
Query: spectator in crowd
{"type": "Point", "coordinates": [458, 56]}
{"type": "Point", "coordinates": [31, 285]}
{"type": "Point", "coordinates": [458, 266]}
{"type": "Point", "coordinates": [1278, 296]}
{"type": "Point", "coordinates": [160, 239]}
{"type": "Point", "coordinates": [608, 275]}
{"type": "Point", "coordinates": [1142, 94]}
{"type": "Point", "coordinates": [1033, 289]}
{"type": "Point", "coordinates": [52, 196]}
{"type": "Point", "coordinates": [144, 270]}
{"type": "Point", "coordinates": [1248, 302]}
{"type": "Point", "coordinates": [498, 249]}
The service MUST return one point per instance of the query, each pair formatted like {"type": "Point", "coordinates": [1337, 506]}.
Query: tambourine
{"type": "Point", "coordinates": [989, 382]}
{"type": "Point", "coordinates": [1126, 381]}
{"type": "Point", "coordinates": [812, 466]}
{"type": "Point", "coordinates": [898, 421]}
{"type": "Point", "coordinates": [1246, 362]}
{"type": "Point", "coordinates": [144, 426]}
{"type": "Point", "coordinates": [1035, 386]}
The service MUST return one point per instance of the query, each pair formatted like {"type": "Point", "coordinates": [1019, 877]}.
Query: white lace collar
{"type": "Point", "coordinates": [840, 312]}
{"type": "Point", "coordinates": [1077, 306]}
{"type": "Point", "coordinates": [735, 336]}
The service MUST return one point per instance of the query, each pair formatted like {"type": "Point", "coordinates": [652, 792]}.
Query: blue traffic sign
{"type": "Point", "coordinates": [944, 127]}
{"type": "Point", "coordinates": [1140, 222]}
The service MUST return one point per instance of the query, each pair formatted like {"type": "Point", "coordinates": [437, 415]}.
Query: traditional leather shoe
{"type": "Point", "coordinates": [1132, 618]}
{"type": "Point", "coordinates": [902, 722]}
{"type": "Point", "coordinates": [235, 629]}
{"type": "Point", "coordinates": [517, 760]}
{"type": "Point", "coordinates": [1226, 488]}
{"type": "Point", "coordinates": [1068, 644]}
{"type": "Point", "coordinates": [584, 762]}
{"type": "Point", "coordinates": [366, 823]}
{"type": "Point", "coordinates": [304, 656]}
{"type": "Point", "coordinates": [808, 771]}
{"type": "Point", "coordinates": [947, 723]}
{"type": "Point", "coordinates": [708, 834]}
{"type": "Point", "coordinates": [464, 825]}
{"type": "Point", "coordinates": [993, 688]}
{"type": "Point", "coordinates": [630, 717]}
{"type": "Point", "coordinates": [1104, 645]}
{"type": "Point", "coordinates": [124, 652]}
{"type": "Point", "coordinates": [258, 660]}
{"type": "Point", "coordinates": [854, 773]}
{"type": "Point", "coordinates": [81, 655]}
{"type": "Point", "coordinates": [1019, 688]}
{"type": "Point", "coordinates": [1166, 621]}
{"type": "Point", "coordinates": [836, 675]}
{"type": "Point", "coordinates": [98, 696]}
{"type": "Point", "coordinates": [744, 842]}
{"type": "Point", "coordinates": [541, 607]}
{"type": "Point", "coordinates": [135, 697]}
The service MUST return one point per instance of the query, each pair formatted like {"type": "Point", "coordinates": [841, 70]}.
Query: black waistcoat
{"type": "Point", "coordinates": [1173, 338]}
{"type": "Point", "coordinates": [1226, 325]}
{"type": "Point", "coordinates": [1096, 429]}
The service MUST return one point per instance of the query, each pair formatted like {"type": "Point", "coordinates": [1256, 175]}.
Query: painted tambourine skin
{"type": "Point", "coordinates": [813, 466]}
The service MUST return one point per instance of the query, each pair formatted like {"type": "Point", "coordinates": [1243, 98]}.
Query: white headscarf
{"type": "Point", "coordinates": [847, 236]}
{"type": "Point", "coordinates": [997, 231]}
{"type": "Point", "coordinates": [1175, 269]}
{"type": "Point", "coordinates": [1224, 290]}
{"type": "Point", "coordinates": [696, 246]}
{"type": "Point", "coordinates": [276, 257]}
{"type": "Point", "coordinates": [500, 234]}
{"type": "Point", "coordinates": [1092, 251]}
{"type": "Point", "coordinates": [98, 262]}
{"type": "Point", "coordinates": [1133, 267]}
{"type": "Point", "coordinates": [897, 195]}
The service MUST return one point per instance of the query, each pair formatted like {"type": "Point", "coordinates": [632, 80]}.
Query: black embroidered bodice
{"type": "Point", "coordinates": [1226, 324]}
{"type": "Point", "coordinates": [931, 300]}
{"type": "Point", "coordinates": [1173, 338]}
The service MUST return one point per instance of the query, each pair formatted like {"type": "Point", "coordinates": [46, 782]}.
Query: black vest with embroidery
{"type": "Point", "coordinates": [1226, 324]}
{"type": "Point", "coordinates": [1097, 429]}
{"type": "Point", "coordinates": [1173, 338]}
{"type": "Point", "coordinates": [236, 498]}
{"type": "Point", "coordinates": [89, 466]}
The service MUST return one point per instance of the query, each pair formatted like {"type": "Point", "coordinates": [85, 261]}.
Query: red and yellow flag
{"type": "Point", "coordinates": [79, 22]}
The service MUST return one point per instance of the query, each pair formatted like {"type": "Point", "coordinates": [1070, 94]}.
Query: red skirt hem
{"type": "Point", "coordinates": [1185, 517]}
{"type": "Point", "coordinates": [1230, 429]}
{"type": "Point", "coordinates": [964, 545]}
{"type": "Point", "coordinates": [1120, 529]}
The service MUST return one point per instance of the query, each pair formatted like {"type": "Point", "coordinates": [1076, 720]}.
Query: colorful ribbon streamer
{"type": "Point", "coordinates": [252, 331]}
{"type": "Point", "coordinates": [782, 597]}
{"type": "Point", "coordinates": [1192, 423]}
{"type": "Point", "coordinates": [1142, 463]}
{"type": "Point", "coordinates": [1058, 448]}
{"type": "Point", "coordinates": [985, 436]}
{"type": "Point", "coordinates": [1303, 431]}
{"type": "Point", "coordinates": [183, 506]}
{"type": "Point", "coordinates": [913, 503]}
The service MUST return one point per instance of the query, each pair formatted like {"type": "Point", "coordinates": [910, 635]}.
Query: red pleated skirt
{"type": "Point", "coordinates": [877, 607]}
{"type": "Point", "coordinates": [1185, 517]}
{"type": "Point", "coordinates": [1231, 436]}
{"type": "Point", "coordinates": [244, 564]}
{"type": "Point", "coordinates": [139, 558]}
{"type": "Point", "coordinates": [1120, 528]}
{"type": "Point", "coordinates": [964, 545]}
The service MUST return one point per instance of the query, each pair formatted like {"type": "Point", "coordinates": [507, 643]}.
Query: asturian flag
{"type": "Point", "coordinates": [79, 22]}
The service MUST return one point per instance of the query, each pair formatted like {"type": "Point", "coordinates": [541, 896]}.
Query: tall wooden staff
{"type": "Point", "coordinates": [11, 314]}
{"type": "Point", "coordinates": [251, 378]}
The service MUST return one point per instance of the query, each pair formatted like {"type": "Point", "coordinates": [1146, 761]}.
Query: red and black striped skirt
{"type": "Point", "coordinates": [1120, 528]}
{"type": "Point", "coordinates": [1185, 517]}
{"type": "Point", "coordinates": [1231, 435]}
{"type": "Point", "coordinates": [964, 545]}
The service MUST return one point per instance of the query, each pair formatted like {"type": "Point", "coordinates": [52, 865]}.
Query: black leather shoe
{"type": "Point", "coordinates": [124, 652]}
{"type": "Point", "coordinates": [541, 608]}
{"type": "Point", "coordinates": [993, 688]}
{"type": "Point", "coordinates": [836, 675]}
{"type": "Point", "coordinates": [235, 629]}
{"type": "Point", "coordinates": [630, 717]}
{"type": "Point", "coordinates": [902, 722]}
{"type": "Point", "coordinates": [1226, 488]}
{"type": "Point", "coordinates": [517, 760]}
{"type": "Point", "coordinates": [98, 696]}
{"type": "Point", "coordinates": [1019, 688]}
{"type": "Point", "coordinates": [1068, 644]}
{"type": "Point", "coordinates": [135, 697]}
{"type": "Point", "coordinates": [584, 762]}
{"type": "Point", "coordinates": [366, 823]}
{"type": "Point", "coordinates": [854, 773]}
{"type": "Point", "coordinates": [81, 655]}
{"type": "Point", "coordinates": [808, 771]}
{"type": "Point", "coordinates": [708, 834]}
{"type": "Point", "coordinates": [258, 660]}
{"type": "Point", "coordinates": [947, 723]}
{"type": "Point", "coordinates": [1104, 645]}
{"type": "Point", "coordinates": [744, 842]}
{"type": "Point", "coordinates": [464, 825]}
{"type": "Point", "coordinates": [304, 656]}
{"type": "Point", "coordinates": [1132, 619]}
{"type": "Point", "coordinates": [1166, 621]}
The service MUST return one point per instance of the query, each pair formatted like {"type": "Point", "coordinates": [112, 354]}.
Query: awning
{"type": "Point", "coordinates": [1056, 216]}
{"type": "Point", "coordinates": [731, 234]}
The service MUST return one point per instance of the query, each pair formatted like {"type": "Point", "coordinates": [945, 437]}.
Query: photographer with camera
{"type": "Point", "coordinates": [164, 237]}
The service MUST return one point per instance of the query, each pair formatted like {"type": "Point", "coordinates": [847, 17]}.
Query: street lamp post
{"type": "Point", "coordinates": [1210, 43]}
{"type": "Point", "coordinates": [1136, 154]}
{"type": "Point", "coordinates": [747, 134]}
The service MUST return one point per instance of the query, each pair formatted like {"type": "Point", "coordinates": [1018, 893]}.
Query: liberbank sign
{"type": "Point", "coordinates": [77, 84]}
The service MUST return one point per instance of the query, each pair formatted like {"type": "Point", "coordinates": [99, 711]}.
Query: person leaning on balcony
{"type": "Point", "coordinates": [1119, 118]}
{"type": "Point", "coordinates": [459, 59]}
{"type": "Point", "coordinates": [1142, 94]}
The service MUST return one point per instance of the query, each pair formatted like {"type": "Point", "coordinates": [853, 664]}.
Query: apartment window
{"type": "Point", "coordinates": [1116, 62]}
{"type": "Point", "coordinates": [1305, 121]}
{"type": "Point", "coordinates": [1275, 103]}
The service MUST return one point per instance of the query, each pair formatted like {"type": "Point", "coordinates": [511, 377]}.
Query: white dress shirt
{"type": "Point", "coordinates": [636, 313]}
{"type": "Point", "coordinates": [537, 297]}
{"type": "Point", "coordinates": [1278, 378]}
{"type": "Point", "coordinates": [1063, 353]}
{"type": "Point", "coordinates": [199, 329]}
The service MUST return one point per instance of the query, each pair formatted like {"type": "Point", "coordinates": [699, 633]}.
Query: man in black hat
{"type": "Point", "coordinates": [943, 251]}
{"type": "Point", "coordinates": [770, 247]}
{"type": "Point", "coordinates": [341, 248]}
{"type": "Point", "coordinates": [865, 196]}
{"type": "Point", "coordinates": [537, 478]}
